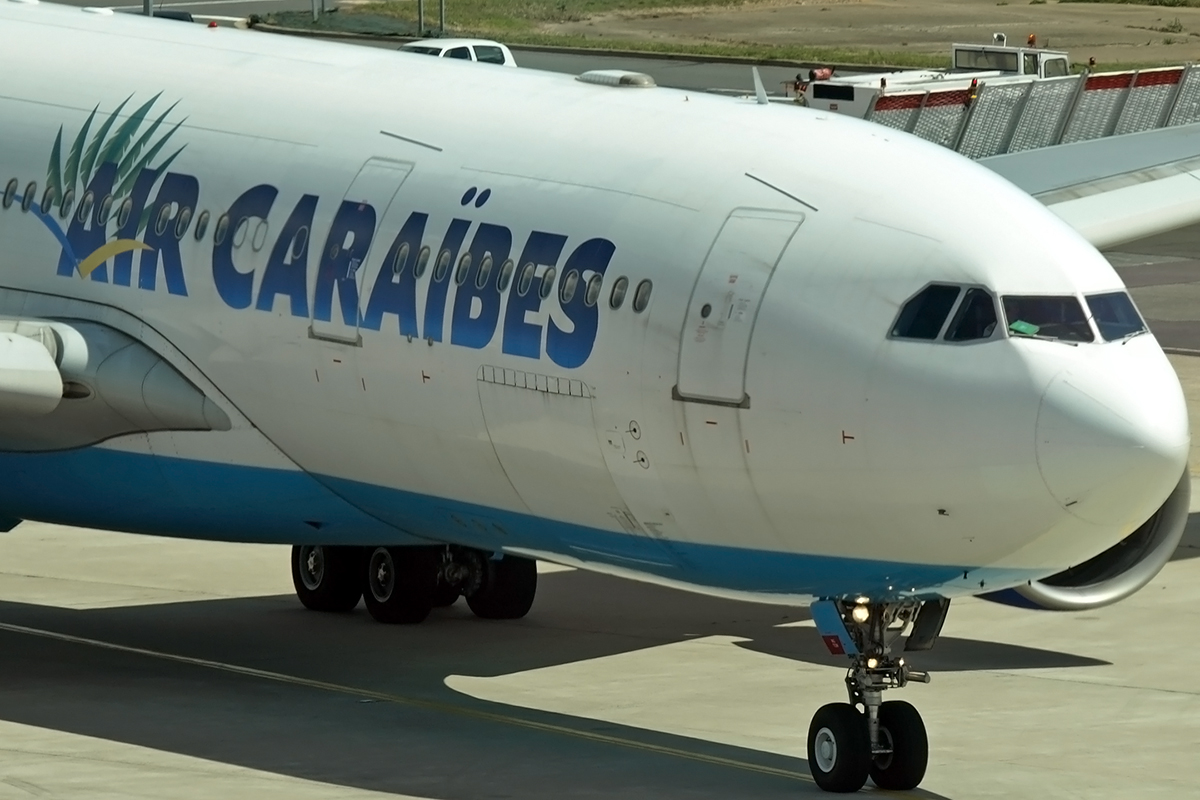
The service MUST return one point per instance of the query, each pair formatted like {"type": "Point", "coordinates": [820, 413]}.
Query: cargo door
{"type": "Point", "coordinates": [543, 432]}
{"type": "Point", "coordinates": [724, 304]}
{"type": "Point", "coordinates": [339, 301]}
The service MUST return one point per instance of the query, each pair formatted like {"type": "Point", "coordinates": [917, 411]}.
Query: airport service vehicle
{"type": "Point", "coordinates": [482, 50]}
{"type": "Point", "coordinates": [997, 63]}
{"type": "Point", "coordinates": [426, 349]}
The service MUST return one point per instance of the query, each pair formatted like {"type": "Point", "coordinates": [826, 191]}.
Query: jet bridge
{"type": "Point", "coordinates": [1010, 116]}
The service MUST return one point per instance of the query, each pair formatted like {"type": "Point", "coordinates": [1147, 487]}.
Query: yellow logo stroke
{"type": "Point", "coordinates": [106, 252]}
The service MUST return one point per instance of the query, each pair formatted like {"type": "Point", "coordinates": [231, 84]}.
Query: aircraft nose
{"type": "Point", "coordinates": [1112, 437]}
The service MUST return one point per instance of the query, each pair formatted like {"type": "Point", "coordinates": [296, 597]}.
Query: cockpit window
{"type": "Point", "coordinates": [976, 317]}
{"type": "Point", "coordinates": [922, 317]}
{"type": "Point", "coordinates": [1115, 315]}
{"type": "Point", "coordinates": [1047, 318]}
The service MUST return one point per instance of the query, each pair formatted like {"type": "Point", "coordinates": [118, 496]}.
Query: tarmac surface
{"type": "Point", "coordinates": [135, 667]}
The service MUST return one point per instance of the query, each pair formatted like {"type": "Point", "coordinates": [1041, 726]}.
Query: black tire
{"type": "Point", "coordinates": [327, 578]}
{"type": "Point", "coordinates": [445, 595]}
{"type": "Point", "coordinates": [507, 589]}
{"type": "Point", "coordinates": [839, 748]}
{"type": "Point", "coordinates": [398, 583]}
{"type": "Point", "coordinates": [901, 727]}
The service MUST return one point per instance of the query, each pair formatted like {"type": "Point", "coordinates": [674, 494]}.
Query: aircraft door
{"type": "Point", "coordinates": [724, 304]}
{"type": "Point", "coordinates": [339, 302]}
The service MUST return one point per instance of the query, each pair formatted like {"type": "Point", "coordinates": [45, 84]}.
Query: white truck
{"type": "Point", "coordinates": [993, 63]}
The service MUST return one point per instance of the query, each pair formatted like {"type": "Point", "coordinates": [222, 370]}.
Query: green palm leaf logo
{"type": "Point", "coordinates": [123, 144]}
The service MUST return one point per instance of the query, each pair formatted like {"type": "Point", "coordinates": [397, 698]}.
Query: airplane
{"type": "Point", "coordinates": [258, 289]}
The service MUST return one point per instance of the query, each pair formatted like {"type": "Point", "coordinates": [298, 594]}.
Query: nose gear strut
{"type": "Point", "coordinates": [848, 742]}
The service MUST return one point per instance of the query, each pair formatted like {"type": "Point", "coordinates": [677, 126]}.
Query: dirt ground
{"type": "Point", "coordinates": [1112, 34]}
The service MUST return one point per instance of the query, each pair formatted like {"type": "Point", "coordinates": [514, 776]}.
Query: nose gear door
{"type": "Point", "coordinates": [724, 304]}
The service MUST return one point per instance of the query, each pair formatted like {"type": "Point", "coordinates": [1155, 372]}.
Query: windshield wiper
{"type": "Point", "coordinates": [1040, 337]}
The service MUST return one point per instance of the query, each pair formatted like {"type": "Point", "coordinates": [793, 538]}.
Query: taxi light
{"type": "Point", "coordinates": [872, 663]}
{"type": "Point", "coordinates": [860, 614]}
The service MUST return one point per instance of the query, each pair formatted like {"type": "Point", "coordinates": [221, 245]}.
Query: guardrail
{"type": "Point", "coordinates": [989, 120]}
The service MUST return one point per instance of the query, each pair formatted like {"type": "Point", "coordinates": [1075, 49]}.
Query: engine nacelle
{"type": "Point", "coordinates": [1116, 573]}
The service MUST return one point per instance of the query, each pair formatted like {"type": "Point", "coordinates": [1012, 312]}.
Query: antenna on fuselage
{"type": "Point", "coordinates": [760, 94]}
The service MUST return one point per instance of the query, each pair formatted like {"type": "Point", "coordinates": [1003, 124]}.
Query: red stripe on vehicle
{"type": "Point", "coordinates": [951, 98]}
{"type": "Point", "coordinates": [1159, 77]}
{"type": "Point", "coordinates": [898, 102]}
{"type": "Point", "coordinates": [1118, 81]}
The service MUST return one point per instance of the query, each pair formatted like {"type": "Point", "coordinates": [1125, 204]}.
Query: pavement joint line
{"type": "Point", "coordinates": [428, 705]}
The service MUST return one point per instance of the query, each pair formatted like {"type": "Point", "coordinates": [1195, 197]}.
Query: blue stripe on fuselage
{"type": "Point", "coordinates": [101, 488]}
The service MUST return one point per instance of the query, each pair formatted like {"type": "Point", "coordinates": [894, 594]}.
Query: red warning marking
{"type": "Point", "coordinates": [834, 644]}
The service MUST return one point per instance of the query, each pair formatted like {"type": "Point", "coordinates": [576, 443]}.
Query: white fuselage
{"type": "Point", "coordinates": [786, 447]}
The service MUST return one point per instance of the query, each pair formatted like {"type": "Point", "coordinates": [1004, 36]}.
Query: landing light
{"type": "Point", "coordinates": [860, 613]}
{"type": "Point", "coordinates": [872, 663]}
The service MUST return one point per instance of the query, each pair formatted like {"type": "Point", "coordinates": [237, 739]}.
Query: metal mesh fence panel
{"type": "Point", "coordinates": [1102, 96]}
{"type": "Point", "coordinates": [1045, 108]}
{"type": "Point", "coordinates": [1187, 106]}
{"type": "Point", "coordinates": [991, 119]}
{"type": "Point", "coordinates": [1149, 96]}
{"type": "Point", "coordinates": [942, 116]}
{"type": "Point", "coordinates": [897, 111]}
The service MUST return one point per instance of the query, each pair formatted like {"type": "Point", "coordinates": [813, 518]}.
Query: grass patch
{"type": "Point", "coordinates": [515, 22]}
{"type": "Point", "coordinates": [518, 22]}
{"type": "Point", "coordinates": [1167, 3]}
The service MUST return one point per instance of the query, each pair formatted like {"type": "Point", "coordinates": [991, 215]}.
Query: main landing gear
{"type": "Point", "coordinates": [849, 742]}
{"type": "Point", "coordinates": [403, 584]}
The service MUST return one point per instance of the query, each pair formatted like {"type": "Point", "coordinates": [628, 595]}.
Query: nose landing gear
{"type": "Point", "coordinates": [849, 742]}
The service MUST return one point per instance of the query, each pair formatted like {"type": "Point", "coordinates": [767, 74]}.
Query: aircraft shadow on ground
{"type": "Point", "coordinates": [1189, 546]}
{"type": "Point", "coordinates": [401, 747]}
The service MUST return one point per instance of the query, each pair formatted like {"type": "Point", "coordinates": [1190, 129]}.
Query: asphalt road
{"type": "Point", "coordinates": [1163, 276]}
{"type": "Point", "coordinates": [135, 667]}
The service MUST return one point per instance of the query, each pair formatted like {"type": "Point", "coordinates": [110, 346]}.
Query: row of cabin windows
{"type": "Point", "coordinates": [1057, 318]}
{"type": "Point", "coordinates": [568, 286]}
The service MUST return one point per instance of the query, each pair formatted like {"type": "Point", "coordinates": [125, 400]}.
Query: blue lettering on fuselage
{"type": "Point", "coordinates": [473, 262]}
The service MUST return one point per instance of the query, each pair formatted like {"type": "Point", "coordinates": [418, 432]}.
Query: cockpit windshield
{"type": "Point", "coordinates": [1058, 318]}
{"type": "Point", "coordinates": [1115, 316]}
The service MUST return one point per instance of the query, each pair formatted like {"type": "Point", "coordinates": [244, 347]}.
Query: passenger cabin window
{"type": "Point", "coordinates": [489, 54]}
{"type": "Point", "coordinates": [976, 318]}
{"type": "Point", "coordinates": [458, 52]}
{"type": "Point", "coordinates": [618, 292]}
{"type": "Point", "coordinates": [1115, 316]}
{"type": "Point", "coordinates": [1059, 318]}
{"type": "Point", "coordinates": [548, 282]}
{"type": "Point", "coordinates": [641, 297]}
{"type": "Point", "coordinates": [505, 277]}
{"type": "Point", "coordinates": [923, 316]}
{"type": "Point", "coordinates": [10, 192]}
{"type": "Point", "coordinates": [201, 225]}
